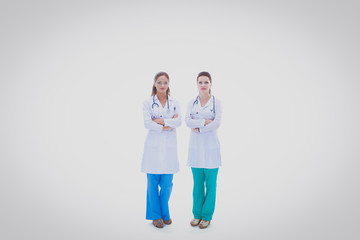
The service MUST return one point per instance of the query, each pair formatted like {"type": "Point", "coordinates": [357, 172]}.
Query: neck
{"type": "Point", "coordinates": [204, 95]}
{"type": "Point", "coordinates": [161, 96]}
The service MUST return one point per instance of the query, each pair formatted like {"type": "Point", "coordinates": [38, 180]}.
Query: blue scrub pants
{"type": "Point", "coordinates": [157, 203]}
{"type": "Point", "coordinates": [204, 201]}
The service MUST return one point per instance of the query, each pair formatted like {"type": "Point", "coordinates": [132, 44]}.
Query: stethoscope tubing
{"type": "Point", "coordinates": [197, 101]}
{"type": "Point", "coordinates": [154, 103]}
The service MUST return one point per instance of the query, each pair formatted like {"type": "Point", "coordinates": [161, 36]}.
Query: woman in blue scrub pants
{"type": "Point", "coordinates": [203, 117]}
{"type": "Point", "coordinates": [160, 160]}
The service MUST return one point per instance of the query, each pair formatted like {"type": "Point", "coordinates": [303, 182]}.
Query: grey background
{"type": "Point", "coordinates": [73, 78]}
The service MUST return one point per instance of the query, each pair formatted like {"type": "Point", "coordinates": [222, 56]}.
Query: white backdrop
{"type": "Point", "coordinates": [73, 78]}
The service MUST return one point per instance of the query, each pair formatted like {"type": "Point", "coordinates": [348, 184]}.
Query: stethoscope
{"type": "Point", "coordinates": [156, 104]}
{"type": "Point", "coordinates": [197, 101]}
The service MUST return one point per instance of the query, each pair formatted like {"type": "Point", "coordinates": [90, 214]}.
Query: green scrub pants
{"type": "Point", "coordinates": [204, 200]}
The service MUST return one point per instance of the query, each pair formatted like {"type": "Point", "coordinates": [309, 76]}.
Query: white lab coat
{"type": "Point", "coordinates": [160, 148]}
{"type": "Point", "coordinates": [204, 147]}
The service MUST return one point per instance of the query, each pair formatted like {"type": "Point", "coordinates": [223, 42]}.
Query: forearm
{"type": "Point", "coordinates": [165, 128]}
{"type": "Point", "coordinates": [211, 126]}
{"type": "Point", "coordinates": [215, 124]}
{"type": "Point", "coordinates": [150, 125]}
{"type": "Point", "coordinates": [194, 123]}
{"type": "Point", "coordinates": [148, 122]}
{"type": "Point", "coordinates": [172, 122]}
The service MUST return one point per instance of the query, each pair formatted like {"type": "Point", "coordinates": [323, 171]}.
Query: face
{"type": "Point", "coordinates": [204, 84]}
{"type": "Point", "coordinates": [161, 84]}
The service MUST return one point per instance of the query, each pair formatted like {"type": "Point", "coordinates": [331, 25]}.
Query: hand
{"type": "Point", "coordinates": [159, 121]}
{"type": "Point", "coordinates": [195, 130]}
{"type": "Point", "coordinates": [166, 128]}
{"type": "Point", "coordinates": [208, 121]}
{"type": "Point", "coordinates": [176, 115]}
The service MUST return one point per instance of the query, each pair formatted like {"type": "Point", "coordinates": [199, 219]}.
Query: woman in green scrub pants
{"type": "Point", "coordinates": [203, 117]}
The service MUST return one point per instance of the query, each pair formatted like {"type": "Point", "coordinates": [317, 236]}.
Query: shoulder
{"type": "Point", "coordinates": [148, 100]}
{"type": "Point", "coordinates": [192, 101]}
{"type": "Point", "coordinates": [173, 101]}
{"type": "Point", "coordinates": [217, 100]}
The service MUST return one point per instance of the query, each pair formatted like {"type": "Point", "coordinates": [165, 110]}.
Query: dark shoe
{"type": "Point", "coordinates": [168, 222]}
{"type": "Point", "coordinates": [158, 223]}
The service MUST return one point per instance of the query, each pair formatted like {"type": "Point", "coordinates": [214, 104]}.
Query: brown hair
{"type": "Point", "coordinates": [206, 74]}
{"type": "Point", "coordinates": [159, 74]}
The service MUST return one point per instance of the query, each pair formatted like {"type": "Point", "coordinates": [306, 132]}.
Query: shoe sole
{"type": "Point", "coordinates": [195, 225]}
{"type": "Point", "coordinates": [158, 225]}
{"type": "Point", "coordinates": [202, 227]}
{"type": "Point", "coordinates": [168, 223]}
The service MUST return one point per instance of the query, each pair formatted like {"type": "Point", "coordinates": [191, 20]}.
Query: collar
{"type": "Point", "coordinates": [155, 98]}
{"type": "Point", "coordinates": [197, 101]}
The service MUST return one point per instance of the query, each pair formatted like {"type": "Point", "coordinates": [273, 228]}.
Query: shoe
{"type": "Point", "coordinates": [158, 223]}
{"type": "Point", "coordinates": [195, 222]}
{"type": "Point", "coordinates": [204, 224]}
{"type": "Point", "coordinates": [168, 222]}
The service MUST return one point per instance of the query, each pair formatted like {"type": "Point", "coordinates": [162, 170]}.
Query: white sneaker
{"type": "Point", "coordinates": [195, 222]}
{"type": "Point", "coordinates": [204, 224]}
